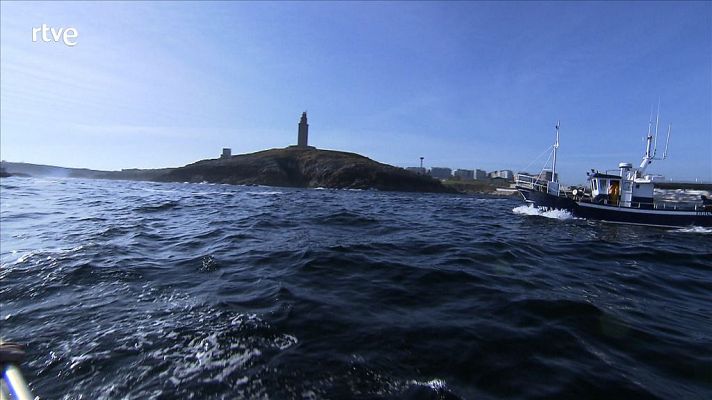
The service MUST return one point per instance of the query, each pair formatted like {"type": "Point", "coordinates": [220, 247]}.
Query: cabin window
{"type": "Point", "coordinates": [593, 183]}
{"type": "Point", "coordinates": [604, 183]}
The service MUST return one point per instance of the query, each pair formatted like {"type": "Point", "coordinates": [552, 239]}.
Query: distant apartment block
{"type": "Point", "coordinates": [417, 170]}
{"type": "Point", "coordinates": [465, 174]}
{"type": "Point", "coordinates": [441, 173]}
{"type": "Point", "coordinates": [503, 173]}
{"type": "Point", "coordinates": [226, 153]}
{"type": "Point", "coordinates": [480, 174]}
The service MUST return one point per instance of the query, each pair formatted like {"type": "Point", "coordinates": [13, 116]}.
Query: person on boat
{"type": "Point", "coordinates": [706, 203]}
{"type": "Point", "coordinates": [614, 193]}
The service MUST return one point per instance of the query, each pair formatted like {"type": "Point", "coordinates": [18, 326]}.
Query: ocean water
{"type": "Point", "coordinates": [160, 291]}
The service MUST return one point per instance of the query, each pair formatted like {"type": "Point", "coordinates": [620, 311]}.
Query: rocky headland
{"type": "Point", "coordinates": [303, 167]}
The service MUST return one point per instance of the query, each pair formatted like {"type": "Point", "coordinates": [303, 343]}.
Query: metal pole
{"type": "Point", "coordinates": [556, 147]}
{"type": "Point", "coordinates": [12, 380]}
{"type": "Point", "coordinates": [16, 383]}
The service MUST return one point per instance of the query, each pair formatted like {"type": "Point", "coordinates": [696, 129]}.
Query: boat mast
{"type": "Point", "coordinates": [556, 147]}
{"type": "Point", "coordinates": [648, 157]}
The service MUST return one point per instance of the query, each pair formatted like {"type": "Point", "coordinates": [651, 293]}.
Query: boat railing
{"type": "Point", "coordinates": [535, 183]}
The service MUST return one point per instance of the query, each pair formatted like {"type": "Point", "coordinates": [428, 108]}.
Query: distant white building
{"type": "Point", "coordinates": [441, 173]}
{"type": "Point", "coordinates": [465, 174]}
{"type": "Point", "coordinates": [503, 173]}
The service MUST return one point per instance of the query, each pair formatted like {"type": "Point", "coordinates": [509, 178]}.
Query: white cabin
{"type": "Point", "coordinates": [625, 190]}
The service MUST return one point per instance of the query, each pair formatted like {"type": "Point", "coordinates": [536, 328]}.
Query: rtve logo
{"type": "Point", "coordinates": [54, 35]}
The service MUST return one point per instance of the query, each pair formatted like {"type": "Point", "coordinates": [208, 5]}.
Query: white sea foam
{"type": "Point", "coordinates": [435, 384]}
{"type": "Point", "coordinates": [49, 254]}
{"type": "Point", "coordinates": [532, 210]}
{"type": "Point", "coordinates": [266, 193]}
{"type": "Point", "coordinates": [694, 229]}
{"type": "Point", "coordinates": [159, 190]}
{"type": "Point", "coordinates": [285, 341]}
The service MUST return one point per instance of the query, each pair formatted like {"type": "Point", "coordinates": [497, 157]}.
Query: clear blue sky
{"type": "Point", "coordinates": [465, 85]}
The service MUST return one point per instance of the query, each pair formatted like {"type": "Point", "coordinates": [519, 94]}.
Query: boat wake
{"type": "Point", "coordinates": [694, 229]}
{"type": "Point", "coordinates": [532, 210]}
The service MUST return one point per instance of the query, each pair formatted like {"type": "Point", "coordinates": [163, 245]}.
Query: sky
{"type": "Point", "coordinates": [462, 84]}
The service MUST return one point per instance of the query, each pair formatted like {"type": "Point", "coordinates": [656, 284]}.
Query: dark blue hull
{"type": "Point", "coordinates": [627, 215]}
{"type": "Point", "coordinates": [542, 199]}
{"type": "Point", "coordinates": [642, 216]}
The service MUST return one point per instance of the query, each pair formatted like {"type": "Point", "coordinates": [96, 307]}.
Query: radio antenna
{"type": "Point", "coordinates": [657, 122]}
{"type": "Point", "coordinates": [650, 121]}
{"type": "Point", "coordinates": [667, 141]}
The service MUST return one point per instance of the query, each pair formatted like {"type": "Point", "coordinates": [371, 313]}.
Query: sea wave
{"type": "Point", "coordinates": [144, 290]}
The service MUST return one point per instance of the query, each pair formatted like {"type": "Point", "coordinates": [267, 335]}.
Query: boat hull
{"type": "Point", "coordinates": [626, 215]}
{"type": "Point", "coordinates": [642, 216]}
{"type": "Point", "coordinates": [546, 200]}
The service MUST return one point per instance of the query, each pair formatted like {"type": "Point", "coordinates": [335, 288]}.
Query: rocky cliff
{"type": "Point", "coordinates": [304, 167]}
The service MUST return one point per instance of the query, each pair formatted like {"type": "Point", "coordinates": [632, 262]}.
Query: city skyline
{"type": "Point", "coordinates": [465, 85]}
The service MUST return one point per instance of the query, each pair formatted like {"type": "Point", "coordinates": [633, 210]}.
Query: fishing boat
{"type": "Point", "coordinates": [623, 195]}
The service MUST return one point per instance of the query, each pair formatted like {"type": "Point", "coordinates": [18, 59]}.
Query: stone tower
{"type": "Point", "coordinates": [303, 138]}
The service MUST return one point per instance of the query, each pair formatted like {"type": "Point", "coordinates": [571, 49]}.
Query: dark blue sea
{"type": "Point", "coordinates": [135, 290]}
